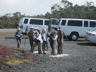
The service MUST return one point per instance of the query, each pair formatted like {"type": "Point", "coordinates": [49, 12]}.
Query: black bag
{"type": "Point", "coordinates": [37, 41]}
{"type": "Point", "coordinates": [18, 38]}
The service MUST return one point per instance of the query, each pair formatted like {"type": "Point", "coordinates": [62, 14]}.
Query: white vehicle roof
{"type": "Point", "coordinates": [76, 19]}
{"type": "Point", "coordinates": [34, 18]}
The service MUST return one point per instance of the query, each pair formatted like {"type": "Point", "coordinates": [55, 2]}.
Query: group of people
{"type": "Point", "coordinates": [41, 40]}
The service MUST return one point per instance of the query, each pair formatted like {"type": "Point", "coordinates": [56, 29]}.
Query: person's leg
{"type": "Point", "coordinates": [58, 47]}
{"type": "Point", "coordinates": [30, 44]}
{"type": "Point", "coordinates": [61, 48]}
{"type": "Point", "coordinates": [17, 43]}
{"type": "Point", "coordinates": [34, 46]}
{"type": "Point", "coordinates": [40, 48]}
{"type": "Point", "coordinates": [47, 45]}
{"type": "Point", "coordinates": [43, 46]}
{"type": "Point", "coordinates": [51, 44]}
{"type": "Point", "coordinates": [54, 48]}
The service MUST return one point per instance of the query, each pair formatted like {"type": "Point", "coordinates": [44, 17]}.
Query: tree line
{"type": "Point", "coordinates": [63, 10]}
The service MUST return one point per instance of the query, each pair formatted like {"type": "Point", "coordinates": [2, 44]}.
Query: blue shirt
{"type": "Point", "coordinates": [18, 33]}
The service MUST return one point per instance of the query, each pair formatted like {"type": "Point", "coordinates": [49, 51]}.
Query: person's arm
{"type": "Point", "coordinates": [39, 37]}
{"type": "Point", "coordinates": [21, 34]}
{"type": "Point", "coordinates": [16, 34]}
{"type": "Point", "coordinates": [55, 37]}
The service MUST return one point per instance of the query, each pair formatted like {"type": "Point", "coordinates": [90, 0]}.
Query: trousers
{"type": "Point", "coordinates": [60, 47]}
{"type": "Point", "coordinates": [51, 44]}
{"type": "Point", "coordinates": [44, 45]}
{"type": "Point", "coordinates": [39, 47]}
{"type": "Point", "coordinates": [54, 47]}
{"type": "Point", "coordinates": [18, 43]}
{"type": "Point", "coordinates": [31, 44]}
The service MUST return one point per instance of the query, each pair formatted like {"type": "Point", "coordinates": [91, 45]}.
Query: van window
{"type": "Point", "coordinates": [36, 22]}
{"type": "Point", "coordinates": [92, 24]}
{"type": "Point", "coordinates": [74, 23]}
{"type": "Point", "coordinates": [63, 22]}
{"type": "Point", "coordinates": [46, 22]}
{"type": "Point", "coordinates": [85, 23]}
{"type": "Point", "coordinates": [25, 21]}
{"type": "Point", "coordinates": [54, 22]}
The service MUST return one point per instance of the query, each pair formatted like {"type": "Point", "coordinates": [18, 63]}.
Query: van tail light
{"type": "Point", "coordinates": [90, 34]}
{"type": "Point", "coordinates": [21, 26]}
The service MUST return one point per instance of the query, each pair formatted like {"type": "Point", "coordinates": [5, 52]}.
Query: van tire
{"type": "Point", "coordinates": [74, 36]}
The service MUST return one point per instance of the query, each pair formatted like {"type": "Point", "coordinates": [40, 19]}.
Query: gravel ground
{"type": "Point", "coordinates": [8, 30]}
{"type": "Point", "coordinates": [79, 56]}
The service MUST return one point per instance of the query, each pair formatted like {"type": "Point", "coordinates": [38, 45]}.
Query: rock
{"type": "Point", "coordinates": [90, 68]}
{"type": "Point", "coordinates": [36, 59]}
{"type": "Point", "coordinates": [38, 63]}
{"type": "Point", "coordinates": [10, 66]}
{"type": "Point", "coordinates": [40, 60]}
{"type": "Point", "coordinates": [54, 63]}
{"type": "Point", "coordinates": [16, 51]}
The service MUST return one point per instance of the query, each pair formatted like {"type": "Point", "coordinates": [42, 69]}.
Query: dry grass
{"type": "Point", "coordinates": [7, 33]}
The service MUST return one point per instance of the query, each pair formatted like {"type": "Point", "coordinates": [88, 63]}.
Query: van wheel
{"type": "Point", "coordinates": [74, 36]}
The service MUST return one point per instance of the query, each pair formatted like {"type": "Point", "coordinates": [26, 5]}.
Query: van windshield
{"type": "Point", "coordinates": [25, 21]}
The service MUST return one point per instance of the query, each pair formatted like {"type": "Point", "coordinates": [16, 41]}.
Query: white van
{"type": "Point", "coordinates": [74, 28]}
{"type": "Point", "coordinates": [37, 23]}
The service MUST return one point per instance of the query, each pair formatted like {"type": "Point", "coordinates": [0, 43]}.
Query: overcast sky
{"type": "Point", "coordinates": [32, 7]}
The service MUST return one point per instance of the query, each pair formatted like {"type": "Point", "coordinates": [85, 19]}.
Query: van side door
{"type": "Point", "coordinates": [85, 27]}
{"type": "Point", "coordinates": [62, 25]}
{"type": "Point", "coordinates": [46, 24]}
{"type": "Point", "coordinates": [53, 23]}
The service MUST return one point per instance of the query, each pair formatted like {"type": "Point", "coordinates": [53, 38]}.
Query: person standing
{"type": "Point", "coordinates": [51, 40]}
{"type": "Point", "coordinates": [60, 41]}
{"type": "Point", "coordinates": [55, 37]}
{"type": "Point", "coordinates": [18, 36]}
{"type": "Point", "coordinates": [38, 41]}
{"type": "Point", "coordinates": [30, 34]}
{"type": "Point", "coordinates": [45, 39]}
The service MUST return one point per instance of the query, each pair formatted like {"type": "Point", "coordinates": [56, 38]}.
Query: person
{"type": "Point", "coordinates": [51, 40]}
{"type": "Point", "coordinates": [30, 35]}
{"type": "Point", "coordinates": [18, 36]}
{"type": "Point", "coordinates": [60, 41]}
{"type": "Point", "coordinates": [38, 42]}
{"type": "Point", "coordinates": [45, 39]}
{"type": "Point", "coordinates": [55, 37]}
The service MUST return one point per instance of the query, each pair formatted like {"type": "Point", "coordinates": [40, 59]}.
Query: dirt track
{"type": "Point", "coordinates": [81, 57]}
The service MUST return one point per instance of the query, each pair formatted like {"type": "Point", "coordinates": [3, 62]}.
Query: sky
{"type": "Point", "coordinates": [33, 7]}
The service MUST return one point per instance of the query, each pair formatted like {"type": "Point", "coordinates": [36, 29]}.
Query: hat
{"type": "Point", "coordinates": [44, 30]}
{"type": "Point", "coordinates": [52, 30]}
{"type": "Point", "coordinates": [31, 27]}
{"type": "Point", "coordinates": [18, 29]}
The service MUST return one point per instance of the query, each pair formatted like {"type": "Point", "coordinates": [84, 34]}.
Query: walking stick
{"type": "Point", "coordinates": [25, 35]}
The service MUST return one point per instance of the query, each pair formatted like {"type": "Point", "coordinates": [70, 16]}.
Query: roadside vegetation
{"type": "Point", "coordinates": [12, 57]}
